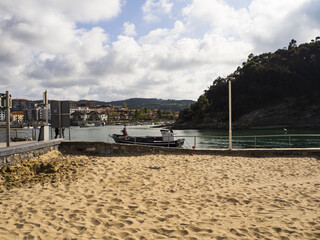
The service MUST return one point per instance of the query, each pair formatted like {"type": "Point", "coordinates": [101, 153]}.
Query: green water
{"type": "Point", "coordinates": [197, 138]}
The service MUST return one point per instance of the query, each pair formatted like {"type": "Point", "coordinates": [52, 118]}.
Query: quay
{"type": "Point", "coordinates": [23, 150]}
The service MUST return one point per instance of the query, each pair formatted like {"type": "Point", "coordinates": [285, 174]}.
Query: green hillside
{"type": "Point", "coordinates": [153, 103]}
{"type": "Point", "coordinates": [289, 76]}
{"type": "Point", "coordinates": [150, 103]}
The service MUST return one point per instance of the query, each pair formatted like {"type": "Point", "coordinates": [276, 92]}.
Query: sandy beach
{"type": "Point", "coordinates": [59, 196]}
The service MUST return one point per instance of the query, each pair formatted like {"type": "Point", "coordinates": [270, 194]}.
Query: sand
{"type": "Point", "coordinates": [161, 197]}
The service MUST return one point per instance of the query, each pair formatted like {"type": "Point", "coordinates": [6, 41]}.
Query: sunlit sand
{"type": "Point", "coordinates": [161, 197]}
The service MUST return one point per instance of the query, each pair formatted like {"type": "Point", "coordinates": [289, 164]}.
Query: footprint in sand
{"type": "Point", "coordinates": [235, 232]}
{"type": "Point", "coordinates": [183, 232]}
{"type": "Point", "coordinates": [95, 221]}
{"type": "Point", "coordinates": [128, 222]}
{"type": "Point", "coordinates": [118, 225]}
{"type": "Point", "coordinates": [123, 234]}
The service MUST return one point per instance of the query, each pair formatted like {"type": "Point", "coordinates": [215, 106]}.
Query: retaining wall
{"type": "Point", "coordinates": [105, 149]}
{"type": "Point", "coordinates": [15, 154]}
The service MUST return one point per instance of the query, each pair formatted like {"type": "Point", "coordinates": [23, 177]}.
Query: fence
{"type": "Point", "coordinates": [214, 142]}
{"type": "Point", "coordinates": [258, 141]}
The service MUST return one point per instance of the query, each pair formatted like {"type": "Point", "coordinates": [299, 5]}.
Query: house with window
{"type": "Point", "coordinates": [17, 116]}
{"type": "Point", "coordinates": [2, 115]}
{"type": "Point", "coordinates": [94, 116]}
{"type": "Point", "coordinates": [79, 116]}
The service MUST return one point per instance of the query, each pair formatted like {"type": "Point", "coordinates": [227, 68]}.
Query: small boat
{"type": "Point", "coordinates": [167, 139]}
{"type": "Point", "coordinates": [87, 125]}
{"type": "Point", "coordinates": [19, 139]}
{"type": "Point", "coordinates": [28, 127]}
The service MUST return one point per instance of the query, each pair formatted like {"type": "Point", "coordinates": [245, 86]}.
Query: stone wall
{"type": "Point", "coordinates": [108, 149]}
{"type": "Point", "coordinates": [15, 154]}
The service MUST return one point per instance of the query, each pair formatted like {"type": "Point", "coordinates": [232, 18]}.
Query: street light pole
{"type": "Point", "coordinates": [45, 100]}
{"type": "Point", "coordinates": [8, 117]}
{"type": "Point", "coordinates": [230, 113]}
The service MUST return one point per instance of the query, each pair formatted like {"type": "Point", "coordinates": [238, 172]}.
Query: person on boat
{"type": "Point", "coordinates": [124, 131]}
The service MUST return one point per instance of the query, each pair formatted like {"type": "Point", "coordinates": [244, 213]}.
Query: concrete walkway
{"type": "Point", "coordinates": [4, 144]}
{"type": "Point", "coordinates": [21, 147]}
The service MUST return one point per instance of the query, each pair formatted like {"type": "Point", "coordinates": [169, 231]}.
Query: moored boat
{"type": "Point", "coordinates": [167, 139]}
{"type": "Point", "coordinates": [87, 125]}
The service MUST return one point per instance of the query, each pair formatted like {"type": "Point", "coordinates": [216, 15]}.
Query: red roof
{"type": "Point", "coordinates": [17, 113]}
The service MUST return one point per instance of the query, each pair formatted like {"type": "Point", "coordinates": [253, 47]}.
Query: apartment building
{"type": "Point", "coordinates": [17, 116]}
{"type": "Point", "coordinates": [2, 115]}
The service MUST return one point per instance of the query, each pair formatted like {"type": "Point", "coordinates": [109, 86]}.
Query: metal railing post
{"type": "Point", "coordinates": [220, 142]}
{"type": "Point", "coordinates": [255, 141]}
{"type": "Point", "coordinates": [195, 142]}
{"type": "Point", "coordinates": [289, 141]}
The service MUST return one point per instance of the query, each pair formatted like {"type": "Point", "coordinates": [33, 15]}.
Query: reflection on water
{"type": "Point", "coordinates": [197, 138]}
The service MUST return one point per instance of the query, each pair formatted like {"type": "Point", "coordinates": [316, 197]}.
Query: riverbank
{"type": "Point", "coordinates": [161, 196]}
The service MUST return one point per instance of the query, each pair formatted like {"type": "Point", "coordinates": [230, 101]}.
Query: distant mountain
{"type": "Point", "coordinates": [151, 103]}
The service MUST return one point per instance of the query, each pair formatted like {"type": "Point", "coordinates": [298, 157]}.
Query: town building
{"type": "Point", "coordinates": [17, 116]}
{"type": "Point", "coordinates": [2, 115]}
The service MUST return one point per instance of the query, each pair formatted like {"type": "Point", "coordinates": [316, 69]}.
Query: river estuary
{"type": "Point", "coordinates": [193, 138]}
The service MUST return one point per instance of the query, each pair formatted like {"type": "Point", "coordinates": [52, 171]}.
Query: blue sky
{"type": "Point", "coordinates": [118, 49]}
{"type": "Point", "coordinates": [132, 12]}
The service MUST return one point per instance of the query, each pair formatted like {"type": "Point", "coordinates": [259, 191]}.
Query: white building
{"type": "Point", "coordinates": [2, 115]}
{"type": "Point", "coordinates": [81, 109]}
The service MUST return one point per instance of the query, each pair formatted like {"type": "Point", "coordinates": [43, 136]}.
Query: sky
{"type": "Point", "coordinates": [118, 49]}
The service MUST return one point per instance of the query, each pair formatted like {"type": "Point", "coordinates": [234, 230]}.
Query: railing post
{"type": "Point", "coordinates": [230, 119]}
{"type": "Point", "coordinates": [289, 141]}
{"type": "Point", "coordinates": [195, 141]}
{"type": "Point", "coordinates": [220, 142]}
{"type": "Point", "coordinates": [255, 141]}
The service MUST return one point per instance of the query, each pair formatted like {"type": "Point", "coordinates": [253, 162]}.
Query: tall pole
{"type": "Point", "coordinates": [8, 117]}
{"type": "Point", "coordinates": [230, 118]}
{"type": "Point", "coordinates": [46, 105]}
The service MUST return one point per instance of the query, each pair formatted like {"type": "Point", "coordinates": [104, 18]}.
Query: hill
{"type": "Point", "coordinates": [269, 90]}
{"type": "Point", "coordinates": [151, 103]}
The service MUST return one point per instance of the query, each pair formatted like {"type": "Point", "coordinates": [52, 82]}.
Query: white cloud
{"type": "Point", "coordinates": [86, 11]}
{"type": "Point", "coordinates": [129, 29]}
{"type": "Point", "coordinates": [42, 47]}
{"type": "Point", "coordinates": [265, 24]}
{"type": "Point", "coordinates": [154, 9]}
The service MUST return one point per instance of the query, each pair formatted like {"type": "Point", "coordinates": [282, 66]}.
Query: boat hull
{"type": "Point", "coordinates": [149, 141]}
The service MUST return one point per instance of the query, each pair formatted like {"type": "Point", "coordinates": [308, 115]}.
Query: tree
{"type": "Point", "coordinates": [292, 44]}
{"type": "Point", "coordinates": [137, 114]}
{"type": "Point", "coordinates": [159, 113]}
{"type": "Point", "coordinates": [125, 105]}
{"type": "Point", "coordinates": [250, 57]}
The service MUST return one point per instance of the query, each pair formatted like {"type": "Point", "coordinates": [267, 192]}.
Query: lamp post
{"type": "Point", "coordinates": [230, 111]}
{"type": "Point", "coordinates": [8, 102]}
{"type": "Point", "coordinates": [45, 101]}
